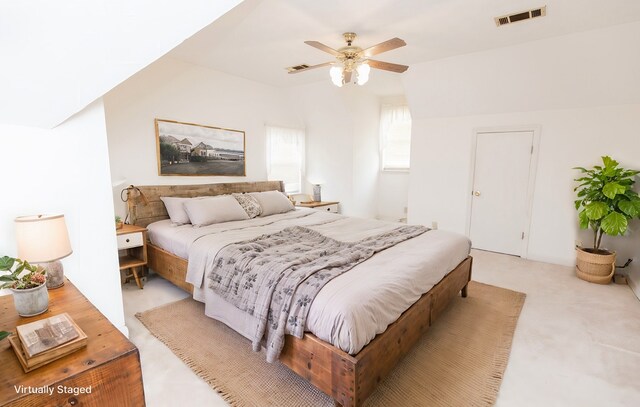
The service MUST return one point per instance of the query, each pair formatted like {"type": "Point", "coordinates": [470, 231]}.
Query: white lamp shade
{"type": "Point", "coordinates": [42, 238]}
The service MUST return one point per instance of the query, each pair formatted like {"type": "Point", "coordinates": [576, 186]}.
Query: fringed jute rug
{"type": "Point", "coordinates": [458, 362]}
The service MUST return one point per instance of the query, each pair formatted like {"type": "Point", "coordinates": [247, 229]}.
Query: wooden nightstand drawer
{"type": "Point", "coordinates": [130, 240]}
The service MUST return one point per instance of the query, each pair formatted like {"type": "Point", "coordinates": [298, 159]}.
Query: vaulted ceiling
{"type": "Point", "coordinates": [59, 56]}
{"type": "Point", "coordinates": [259, 38]}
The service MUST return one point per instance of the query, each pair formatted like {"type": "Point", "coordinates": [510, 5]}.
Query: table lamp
{"type": "Point", "coordinates": [44, 240]}
{"type": "Point", "coordinates": [316, 193]}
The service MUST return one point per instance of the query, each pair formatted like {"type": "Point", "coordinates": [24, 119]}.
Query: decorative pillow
{"type": "Point", "coordinates": [218, 209]}
{"type": "Point", "coordinates": [273, 202]}
{"type": "Point", "coordinates": [175, 209]}
{"type": "Point", "coordinates": [249, 203]}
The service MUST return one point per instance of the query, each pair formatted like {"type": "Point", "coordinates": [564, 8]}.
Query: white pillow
{"type": "Point", "coordinates": [175, 209]}
{"type": "Point", "coordinates": [273, 202]}
{"type": "Point", "coordinates": [218, 209]}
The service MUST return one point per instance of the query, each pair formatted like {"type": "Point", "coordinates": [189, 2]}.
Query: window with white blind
{"type": "Point", "coordinates": [285, 157]}
{"type": "Point", "coordinates": [395, 137]}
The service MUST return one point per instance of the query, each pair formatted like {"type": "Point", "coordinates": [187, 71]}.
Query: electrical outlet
{"type": "Point", "coordinates": [434, 225]}
{"type": "Point", "coordinates": [578, 242]}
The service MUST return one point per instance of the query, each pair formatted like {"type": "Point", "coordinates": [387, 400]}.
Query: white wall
{"type": "Point", "coordinates": [176, 90]}
{"type": "Point", "coordinates": [342, 144]}
{"type": "Point", "coordinates": [583, 90]}
{"type": "Point", "coordinates": [440, 184]}
{"type": "Point", "coordinates": [393, 186]}
{"type": "Point", "coordinates": [59, 56]}
{"type": "Point", "coordinates": [66, 170]}
{"type": "Point", "coordinates": [365, 115]}
{"type": "Point", "coordinates": [329, 144]}
{"type": "Point", "coordinates": [393, 195]}
{"type": "Point", "coordinates": [343, 149]}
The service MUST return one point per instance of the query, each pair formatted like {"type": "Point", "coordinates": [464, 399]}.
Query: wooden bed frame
{"type": "Point", "coordinates": [348, 379]}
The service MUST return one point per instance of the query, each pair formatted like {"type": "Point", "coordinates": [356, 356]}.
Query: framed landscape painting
{"type": "Point", "coordinates": [194, 149]}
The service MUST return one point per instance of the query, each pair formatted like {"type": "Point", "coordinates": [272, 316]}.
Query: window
{"type": "Point", "coordinates": [395, 137]}
{"type": "Point", "coordinates": [285, 157]}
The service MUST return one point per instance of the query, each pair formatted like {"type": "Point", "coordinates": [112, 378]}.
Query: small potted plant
{"type": "Point", "coordinates": [606, 203]}
{"type": "Point", "coordinates": [119, 222]}
{"type": "Point", "coordinates": [27, 282]}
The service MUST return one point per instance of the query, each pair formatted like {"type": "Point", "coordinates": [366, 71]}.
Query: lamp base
{"type": "Point", "coordinates": [316, 193]}
{"type": "Point", "coordinates": [55, 274]}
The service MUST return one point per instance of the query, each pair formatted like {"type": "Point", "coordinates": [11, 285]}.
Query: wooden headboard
{"type": "Point", "coordinates": [142, 214]}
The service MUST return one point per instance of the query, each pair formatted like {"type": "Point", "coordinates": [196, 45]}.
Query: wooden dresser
{"type": "Point", "coordinates": [110, 364]}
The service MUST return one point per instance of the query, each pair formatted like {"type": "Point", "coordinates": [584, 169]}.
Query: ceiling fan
{"type": "Point", "coordinates": [353, 63]}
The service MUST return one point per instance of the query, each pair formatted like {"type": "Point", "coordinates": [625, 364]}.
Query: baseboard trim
{"type": "Point", "coordinates": [568, 262]}
{"type": "Point", "coordinates": [633, 279]}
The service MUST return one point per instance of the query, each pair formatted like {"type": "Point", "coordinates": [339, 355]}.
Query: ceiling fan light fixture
{"type": "Point", "coordinates": [337, 75]}
{"type": "Point", "coordinates": [363, 73]}
{"type": "Point", "coordinates": [353, 63]}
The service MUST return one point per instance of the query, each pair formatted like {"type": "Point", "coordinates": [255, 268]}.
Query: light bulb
{"type": "Point", "coordinates": [363, 73]}
{"type": "Point", "coordinates": [336, 75]}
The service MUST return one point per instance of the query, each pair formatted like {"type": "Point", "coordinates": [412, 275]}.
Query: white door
{"type": "Point", "coordinates": [500, 191]}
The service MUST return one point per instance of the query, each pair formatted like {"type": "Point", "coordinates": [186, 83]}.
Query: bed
{"type": "Point", "coordinates": [345, 369]}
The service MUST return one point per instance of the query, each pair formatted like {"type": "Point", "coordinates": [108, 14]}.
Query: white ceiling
{"type": "Point", "coordinates": [259, 38]}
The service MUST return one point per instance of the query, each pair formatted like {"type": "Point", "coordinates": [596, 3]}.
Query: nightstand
{"type": "Point", "coordinates": [132, 251]}
{"type": "Point", "coordinates": [321, 206]}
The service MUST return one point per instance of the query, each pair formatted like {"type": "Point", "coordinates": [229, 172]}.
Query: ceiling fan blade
{"type": "Point", "coordinates": [347, 77]}
{"type": "Point", "coordinates": [387, 66]}
{"type": "Point", "coordinates": [383, 47]}
{"type": "Point", "coordinates": [324, 48]}
{"type": "Point", "coordinates": [309, 67]}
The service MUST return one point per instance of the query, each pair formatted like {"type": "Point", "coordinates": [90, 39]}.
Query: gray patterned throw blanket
{"type": "Point", "coordinates": [276, 277]}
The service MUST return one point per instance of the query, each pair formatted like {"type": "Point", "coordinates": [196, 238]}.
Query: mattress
{"type": "Point", "coordinates": [351, 309]}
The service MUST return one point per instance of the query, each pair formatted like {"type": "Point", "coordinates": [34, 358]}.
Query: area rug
{"type": "Point", "coordinates": [459, 361]}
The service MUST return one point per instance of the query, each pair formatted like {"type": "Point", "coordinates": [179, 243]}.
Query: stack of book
{"type": "Point", "coordinates": [46, 340]}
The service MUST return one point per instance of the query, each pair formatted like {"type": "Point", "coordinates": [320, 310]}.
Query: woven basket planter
{"type": "Point", "coordinates": [595, 268]}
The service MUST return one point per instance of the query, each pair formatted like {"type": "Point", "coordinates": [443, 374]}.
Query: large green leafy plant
{"type": "Point", "coordinates": [606, 199]}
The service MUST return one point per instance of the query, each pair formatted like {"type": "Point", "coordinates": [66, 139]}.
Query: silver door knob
{"type": "Point", "coordinates": [476, 193]}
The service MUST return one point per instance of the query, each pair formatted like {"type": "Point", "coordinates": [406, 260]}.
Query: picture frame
{"type": "Point", "coordinates": [189, 149]}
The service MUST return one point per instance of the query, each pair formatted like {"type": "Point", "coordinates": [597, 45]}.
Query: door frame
{"type": "Point", "coordinates": [533, 169]}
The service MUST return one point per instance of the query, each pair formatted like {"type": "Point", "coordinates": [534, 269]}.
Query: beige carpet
{"type": "Point", "coordinates": [458, 362]}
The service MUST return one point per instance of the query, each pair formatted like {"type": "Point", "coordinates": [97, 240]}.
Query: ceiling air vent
{"type": "Point", "coordinates": [297, 67]}
{"type": "Point", "coordinates": [525, 15]}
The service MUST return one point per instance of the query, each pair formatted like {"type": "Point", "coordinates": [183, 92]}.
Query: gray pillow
{"type": "Point", "coordinates": [273, 202]}
{"type": "Point", "coordinates": [218, 209]}
{"type": "Point", "coordinates": [175, 209]}
{"type": "Point", "coordinates": [249, 203]}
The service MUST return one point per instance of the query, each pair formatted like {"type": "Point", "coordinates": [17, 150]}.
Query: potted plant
{"type": "Point", "coordinates": [119, 222]}
{"type": "Point", "coordinates": [27, 282]}
{"type": "Point", "coordinates": [606, 203]}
